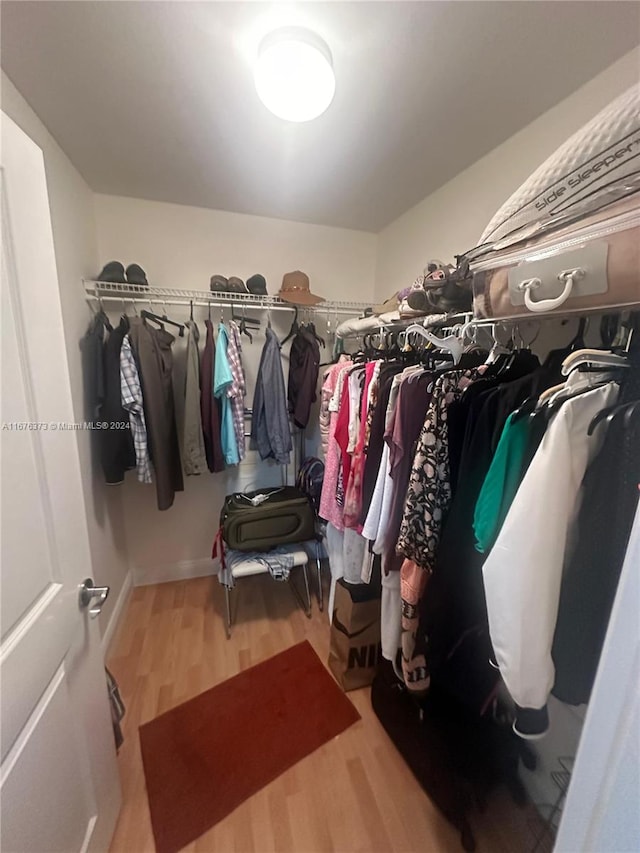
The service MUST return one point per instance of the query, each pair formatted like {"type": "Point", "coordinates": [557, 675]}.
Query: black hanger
{"type": "Point", "coordinates": [246, 321]}
{"type": "Point", "coordinates": [294, 327]}
{"type": "Point", "coordinates": [612, 412]}
{"type": "Point", "coordinates": [147, 315]}
{"type": "Point", "coordinates": [312, 328]}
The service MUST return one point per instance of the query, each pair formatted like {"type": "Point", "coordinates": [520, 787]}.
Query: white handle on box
{"type": "Point", "coordinates": [568, 276]}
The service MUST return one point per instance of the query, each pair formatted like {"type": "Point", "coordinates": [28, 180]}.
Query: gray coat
{"type": "Point", "coordinates": [270, 430]}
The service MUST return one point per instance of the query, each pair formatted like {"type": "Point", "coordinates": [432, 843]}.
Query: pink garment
{"type": "Point", "coordinates": [342, 432]}
{"type": "Point", "coordinates": [353, 493]}
{"type": "Point", "coordinates": [413, 582]}
{"type": "Point", "coordinates": [329, 381]}
{"type": "Point", "coordinates": [330, 509]}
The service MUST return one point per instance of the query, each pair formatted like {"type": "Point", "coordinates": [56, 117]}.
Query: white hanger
{"type": "Point", "coordinates": [592, 356]}
{"type": "Point", "coordinates": [452, 343]}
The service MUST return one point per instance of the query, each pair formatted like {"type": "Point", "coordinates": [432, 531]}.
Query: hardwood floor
{"type": "Point", "coordinates": [353, 795]}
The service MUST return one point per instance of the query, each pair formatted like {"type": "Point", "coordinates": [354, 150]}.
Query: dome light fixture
{"type": "Point", "coordinates": [294, 74]}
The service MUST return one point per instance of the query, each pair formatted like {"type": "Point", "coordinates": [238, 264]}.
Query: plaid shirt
{"type": "Point", "coordinates": [238, 388]}
{"type": "Point", "coordinates": [131, 391]}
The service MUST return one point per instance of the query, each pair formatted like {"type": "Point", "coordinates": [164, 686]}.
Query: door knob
{"type": "Point", "coordinates": [93, 597]}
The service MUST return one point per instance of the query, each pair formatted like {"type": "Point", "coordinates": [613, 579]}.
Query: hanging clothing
{"type": "Point", "coordinates": [414, 396]}
{"type": "Point", "coordinates": [210, 405]}
{"type": "Point", "coordinates": [152, 350]}
{"type": "Point", "coordinates": [353, 492]}
{"type": "Point", "coordinates": [429, 485]}
{"type": "Point", "coordinates": [375, 523]}
{"type": "Point", "coordinates": [238, 387]}
{"type": "Point", "coordinates": [345, 430]}
{"type": "Point", "coordinates": [194, 456]}
{"type": "Point", "coordinates": [375, 444]}
{"type": "Point", "coordinates": [590, 578]}
{"type": "Point", "coordinates": [222, 385]}
{"type": "Point", "coordinates": [328, 387]}
{"type": "Point", "coordinates": [91, 347]}
{"type": "Point", "coordinates": [304, 363]}
{"type": "Point", "coordinates": [270, 430]}
{"type": "Point", "coordinates": [330, 508]}
{"type": "Point", "coordinates": [118, 453]}
{"type": "Point", "coordinates": [522, 574]}
{"type": "Point", "coordinates": [132, 402]}
{"type": "Point", "coordinates": [427, 502]}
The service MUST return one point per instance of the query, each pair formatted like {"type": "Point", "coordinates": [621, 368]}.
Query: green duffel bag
{"type": "Point", "coordinates": [257, 521]}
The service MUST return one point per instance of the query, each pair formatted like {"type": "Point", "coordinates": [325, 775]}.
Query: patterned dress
{"type": "Point", "coordinates": [428, 499]}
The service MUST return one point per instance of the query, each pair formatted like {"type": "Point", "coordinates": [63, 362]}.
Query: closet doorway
{"type": "Point", "coordinates": [58, 755]}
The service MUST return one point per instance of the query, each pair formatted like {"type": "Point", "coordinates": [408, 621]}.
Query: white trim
{"type": "Point", "coordinates": [116, 614]}
{"type": "Point", "coordinates": [182, 570]}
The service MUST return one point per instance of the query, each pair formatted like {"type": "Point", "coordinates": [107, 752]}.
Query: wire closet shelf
{"type": "Point", "coordinates": [118, 292]}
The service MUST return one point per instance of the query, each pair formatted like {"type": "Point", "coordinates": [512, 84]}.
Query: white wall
{"type": "Point", "coordinates": [181, 247]}
{"type": "Point", "coordinates": [451, 220]}
{"type": "Point", "coordinates": [72, 215]}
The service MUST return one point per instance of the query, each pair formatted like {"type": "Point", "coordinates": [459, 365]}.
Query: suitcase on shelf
{"type": "Point", "coordinates": [568, 240]}
{"type": "Point", "coordinates": [266, 518]}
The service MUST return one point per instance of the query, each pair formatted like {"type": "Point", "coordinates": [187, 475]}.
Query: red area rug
{"type": "Point", "coordinates": [205, 757]}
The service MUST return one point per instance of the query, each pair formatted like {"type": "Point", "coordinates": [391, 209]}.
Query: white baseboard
{"type": "Point", "coordinates": [182, 570]}
{"type": "Point", "coordinates": [116, 614]}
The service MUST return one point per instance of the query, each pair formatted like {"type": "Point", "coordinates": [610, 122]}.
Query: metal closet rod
{"type": "Point", "coordinates": [204, 303]}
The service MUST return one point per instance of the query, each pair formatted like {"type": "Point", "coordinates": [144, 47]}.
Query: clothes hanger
{"type": "Point", "coordinates": [242, 324]}
{"type": "Point", "coordinates": [627, 409]}
{"type": "Point", "coordinates": [452, 343]}
{"type": "Point", "coordinates": [312, 328]}
{"type": "Point", "coordinates": [294, 327]}
{"type": "Point", "coordinates": [149, 315]}
{"type": "Point", "coordinates": [592, 357]}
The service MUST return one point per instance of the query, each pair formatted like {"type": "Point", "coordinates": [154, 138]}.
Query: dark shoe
{"type": "Point", "coordinates": [219, 284]}
{"type": "Point", "coordinates": [257, 285]}
{"type": "Point", "coordinates": [417, 300]}
{"type": "Point", "coordinates": [136, 275]}
{"type": "Point", "coordinates": [237, 285]}
{"type": "Point", "coordinates": [112, 272]}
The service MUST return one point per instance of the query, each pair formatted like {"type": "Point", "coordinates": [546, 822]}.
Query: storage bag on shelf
{"type": "Point", "coordinates": [568, 240]}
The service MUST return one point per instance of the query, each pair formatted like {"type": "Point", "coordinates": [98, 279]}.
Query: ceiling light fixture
{"type": "Point", "coordinates": [294, 74]}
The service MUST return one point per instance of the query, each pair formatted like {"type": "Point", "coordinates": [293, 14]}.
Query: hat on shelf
{"type": "Point", "coordinates": [236, 285]}
{"type": "Point", "coordinates": [219, 284]}
{"type": "Point", "coordinates": [391, 304]}
{"type": "Point", "coordinates": [257, 285]}
{"type": "Point", "coordinates": [295, 288]}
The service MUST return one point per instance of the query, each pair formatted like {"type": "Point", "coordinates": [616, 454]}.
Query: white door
{"type": "Point", "coordinates": [60, 789]}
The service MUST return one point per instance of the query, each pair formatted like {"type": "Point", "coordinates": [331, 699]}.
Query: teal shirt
{"type": "Point", "coordinates": [222, 380]}
{"type": "Point", "coordinates": [501, 483]}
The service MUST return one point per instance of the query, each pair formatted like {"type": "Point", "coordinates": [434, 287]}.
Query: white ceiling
{"type": "Point", "coordinates": [156, 100]}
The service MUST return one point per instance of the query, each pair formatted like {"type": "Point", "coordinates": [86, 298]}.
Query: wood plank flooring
{"type": "Point", "coordinates": [353, 795]}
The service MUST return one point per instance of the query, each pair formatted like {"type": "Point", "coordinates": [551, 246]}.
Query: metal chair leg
{"type": "Point", "coordinates": [228, 607]}
{"type": "Point", "coordinates": [306, 584]}
{"type": "Point", "coordinates": [319, 570]}
{"type": "Point", "coordinates": [306, 607]}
